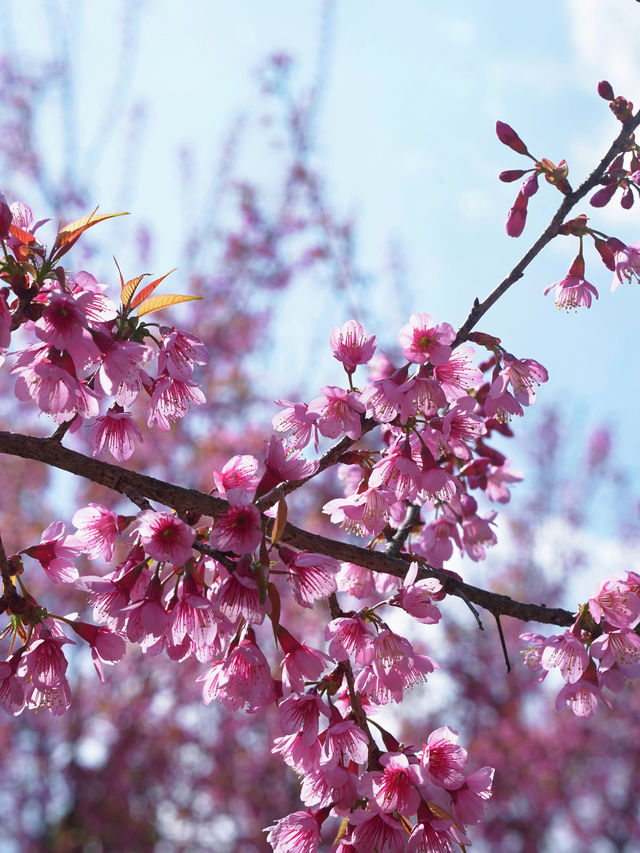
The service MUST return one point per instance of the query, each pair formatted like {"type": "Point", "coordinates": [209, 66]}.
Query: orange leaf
{"type": "Point", "coordinates": [148, 290]}
{"type": "Point", "coordinates": [155, 303]}
{"type": "Point", "coordinates": [69, 233]}
{"type": "Point", "coordinates": [129, 289]}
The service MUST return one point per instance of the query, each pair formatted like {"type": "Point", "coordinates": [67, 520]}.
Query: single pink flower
{"type": "Point", "coordinates": [573, 291]}
{"type": "Point", "coordinates": [395, 786]}
{"type": "Point", "coordinates": [444, 759]}
{"type": "Point", "coordinates": [298, 832]}
{"type": "Point", "coordinates": [240, 529]}
{"type": "Point", "coordinates": [170, 401]}
{"type": "Point", "coordinates": [627, 262]}
{"type": "Point", "coordinates": [422, 340]}
{"type": "Point", "coordinates": [179, 352]}
{"type": "Point", "coordinates": [56, 553]}
{"type": "Point", "coordinates": [351, 345]}
{"type": "Point", "coordinates": [118, 432]}
{"type": "Point", "coordinates": [614, 602]}
{"type": "Point", "coordinates": [106, 646]}
{"type": "Point", "coordinates": [299, 421]}
{"type": "Point", "coordinates": [339, 411]}
{"type": "Point", "coordinates": [97, 529]}
{"type": "Point", "coordinates": [568, 653]}
{"type": "Point", "coordinates": [240, 472]}
{"type": "Point", "coordinates": [165, 537]}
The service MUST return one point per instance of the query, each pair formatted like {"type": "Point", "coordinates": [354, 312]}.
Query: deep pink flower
{"type": "Point", "coordinates": [573, 291]}
{"type": "Point", "coordinates": [395, 786]}
{"type": "Point", "coordinates": [240, 529]}
{"type": "Point", "coordinates": [350, 636]}
{"type": "Point", "coordinates": [380, 832]}
{"type": "Point", "coordinates": [165, 536]}
{"type": "Point", "coordinates": [283, 466]}
{"type": "Point", "coordinates": [310, 576]}
{"type": "Point", "coordinates": [240, 472]}
{"type": "Point", "coordinates": [106, 646]}
{"type": "Point", "coordinates": [616, 603]}
{"type": "Point", "coordinates": [300, 662]}
{"type": "Point", "coordinates": [12, 697]}
{"type": "Point", "coordinates": [618, 648]}
{"type": "Point", "coordinates": [524, 375]}
{"type": "Point", "coordinates": [344, 741]}
{"type": "Point", "coordinates": [351, 345]}
{"type": "Point", "coordinates": [470, 800]}
{"type": "Point", "coordinates": [238, 595]}
{"type": "Point", "coordinates": [458, 374]}
{"type": "Point", "coordinates": [582, 697]}
{"type": "Point", "coordinates": [422, 340]}
{"type": "Point", "coordinates": [297, 419]}
{"type": "Point", "coordinates": [416, 597]}
{"type": "Point", "coordinates": [302, 714]}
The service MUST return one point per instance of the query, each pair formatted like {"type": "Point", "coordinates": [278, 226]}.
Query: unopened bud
{"type": "Point", "coordinates": [509, 137]}
{"type": "Point", "coordinates": [605, 90]}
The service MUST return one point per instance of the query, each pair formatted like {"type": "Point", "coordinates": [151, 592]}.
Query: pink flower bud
{"type": "Point", "coordinates": [605, 90]}
{"type": "Point", "coordinates": [510, 138]}
{"type": "Point", "coordinates": [511, 175]}
{"type": "Point", "coordinates": [517, 216]}
{"type": "Point", "coordinates": [603, 196]}
{"type": "Point", "coordinates": [627, 198]}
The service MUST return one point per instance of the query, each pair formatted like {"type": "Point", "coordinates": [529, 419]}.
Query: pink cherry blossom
{"type": "Point", "coordinates": [343, 742]}
{"type": "Point", "coordinates": [424, 341]}
{"type": "Point", "coordinates": [616, 603]}
{"type": "Point", "coordinates": [299, 421]}
{"type": "Point", "coordinates": [179, 352]}
{"type": "Point", "coordinates": [165, 536]}
{"type": "Point", "coordinates": [380, 832]}
{"type": "Point", "coordinates": [338, 412]}
{"type": "Point", "coordinates": [444, 759]}
{"type": "Point", "coordinates": [310, 576]}
{"type": "Point", "coordinates": [458, 374]}
{"type": "Point", "coordinates": [240, 472]}
{"type": "Point", "coordinates": [568, 653]}
{"type": "Point", "coordinates": [106, 646]}
{"type": "Point", "coordinates": [573, 291]}
{"type": "Point", "coordinates": [627, 262]}
{"type": "Point", "coordinates": [56, 553]}
{"type": "Point", "coordinates": [240, 529]}
{"type": "Point", "coordinates": [300, 662]}
{"type": "Point", "coordinates": [117, 431]}
{"type": "Point", "coordinates": [171, 399]}
{"type": "Point", "coordinates": [395, 786]}
{"type": "Point", "coordinates": [296, 833]}
{"type": "Point", "coordinates": [97, 529]}
{"type": "Point", "coordinates": [351, 345]}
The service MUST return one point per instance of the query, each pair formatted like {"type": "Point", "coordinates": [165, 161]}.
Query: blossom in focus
{"type": "Point", "coordinates": [165, 536]}
{"type": "Point", "coordinates": [351, 345]}
{"type": "Point", "coordinates": [422, 340]}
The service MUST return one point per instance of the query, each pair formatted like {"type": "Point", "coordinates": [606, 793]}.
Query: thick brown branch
{"type": "Point", "coordinates": [183, 500]}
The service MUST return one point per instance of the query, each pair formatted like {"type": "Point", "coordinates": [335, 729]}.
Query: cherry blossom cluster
{"type": "Point", "coordinates": [600, 650]}
{"type": "Point", "coordinates": [437, 413]}
{"type": "Point", "coordinates": [574, 291]}
{"type": "Point", "coordinates": [89, 361]}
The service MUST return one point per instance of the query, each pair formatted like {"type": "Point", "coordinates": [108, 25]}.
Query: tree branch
{"type": "Point", "coordinates": [181, 499]}
{"type": "Point", "coordinates": [480, 308]}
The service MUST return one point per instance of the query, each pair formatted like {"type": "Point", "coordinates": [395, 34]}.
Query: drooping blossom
{"type": "Point", "coordinates": [283, 466]}
{"type": "Point", "coordinates": [395, 787]}
{"type": "Point", "coordinates": [310, 576]}
{"type": "Point", "coordinates": [240, 472]}
{"type": "Point", "coordinates": [297, 419]}
{"type": "Point", "coordinates": [627, 262]}
{"type": "Point", "coordinates": [616, 603]}
{"type": "Point", "coordinates": [97, 529]}
{"type": "Point", "coordinates": [444, 759]}
{"type": "Point", "coordinates": [296, 833]}
{"type": "Point", "coordinates": [568, 653]}
{"type": "Point", "coordinates": [179, 352]}
{"type": "Point", "coordinates": [573, 291]}
{"type": "Point", "coordinates": [106, 646]}
{"type": "Point", "coordinates": [171, 399]}
{"type": "Point", "coordinates": [117, 431]}
{"type": "Point", "coordinates": [300, 663]}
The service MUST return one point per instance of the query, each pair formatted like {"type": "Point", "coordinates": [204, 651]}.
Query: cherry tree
{"type": "Point", "coordinates": [304, 625]}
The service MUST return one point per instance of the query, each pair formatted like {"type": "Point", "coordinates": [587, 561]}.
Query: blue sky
{"type": "Point", "coordinates": [405, 137]}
